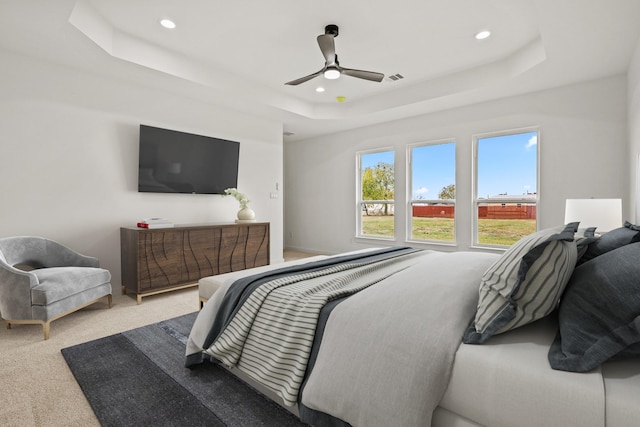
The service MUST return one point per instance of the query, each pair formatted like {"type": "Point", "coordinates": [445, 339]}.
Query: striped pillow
{"type": "Point", "coordinates": [524, 284]}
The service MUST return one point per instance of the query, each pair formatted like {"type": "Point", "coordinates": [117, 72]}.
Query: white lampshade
{"type": "Point", "coordinates": [606, 214]}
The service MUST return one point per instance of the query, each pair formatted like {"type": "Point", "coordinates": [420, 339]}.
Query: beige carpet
{"type": "Point", "coordinates": [36, 386]}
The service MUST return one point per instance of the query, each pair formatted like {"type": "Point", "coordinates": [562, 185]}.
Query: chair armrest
{"type": "Point", "coordinates": [15, 292]}
{"type": "Point", "coordinates": [58, 255]}
{"type": "Point", "coordinates": [15, 276]}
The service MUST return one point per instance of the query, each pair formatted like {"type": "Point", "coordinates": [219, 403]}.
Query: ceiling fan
{"type": "Point", "coordinates": [332, 69]}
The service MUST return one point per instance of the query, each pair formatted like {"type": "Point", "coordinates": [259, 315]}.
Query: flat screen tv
{"type": "Point", "coordinates": [178, 162]}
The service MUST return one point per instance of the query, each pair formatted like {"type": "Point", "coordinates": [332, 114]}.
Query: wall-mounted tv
{"type": "Point", "coordinates": [178, 162]}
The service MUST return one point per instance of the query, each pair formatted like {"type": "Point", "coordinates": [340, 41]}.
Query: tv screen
{"type": "Point", "coordinates": [178, 162]}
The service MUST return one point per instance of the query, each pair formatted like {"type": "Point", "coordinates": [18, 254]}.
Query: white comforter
{"type": "Point", "coordinates": [387, 352]}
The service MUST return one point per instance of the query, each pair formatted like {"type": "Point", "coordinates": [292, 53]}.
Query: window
{"type": "Point", "coordinates": [506, 186]}
{"type": "Point", "coordinates": [432, 190]}
{"type": "Point", "coordinates": [376, 194]}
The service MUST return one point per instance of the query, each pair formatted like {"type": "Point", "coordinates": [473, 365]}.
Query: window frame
{"type": "Point", "coordinates": [476, 201]}
{"type": "Point", "coordinates": [409, 197]}
{"type": "Point", "coordinates": [360, 202]}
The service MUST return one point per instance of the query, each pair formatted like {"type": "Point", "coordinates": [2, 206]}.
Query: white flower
{"type": "Point", "coordinates": [241, 198]}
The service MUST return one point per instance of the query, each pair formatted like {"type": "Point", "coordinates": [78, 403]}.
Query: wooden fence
{"type": "Point", "coordinates": [505, 211]}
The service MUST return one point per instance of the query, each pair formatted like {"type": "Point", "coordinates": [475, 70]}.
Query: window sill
{"type": "Point", "coordinates": [431, 244]}
{"type": "Point", "coordinates": [370, 239]}
{"type": "Point", "coordinates": [489, 248]}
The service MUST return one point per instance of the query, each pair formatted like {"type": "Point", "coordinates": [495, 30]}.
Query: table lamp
{"type": "Point", "coordinates": [606, 214]}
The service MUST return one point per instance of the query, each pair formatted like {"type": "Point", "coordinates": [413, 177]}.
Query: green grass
{"type": "Point", "coordinates": [491, 231]}
{"type": "Point", "coordinates": [504, 231]}
{"type": "Point", "coordinates": [440, 229]}
{"type": "Point", "coordinates": [377, 225]}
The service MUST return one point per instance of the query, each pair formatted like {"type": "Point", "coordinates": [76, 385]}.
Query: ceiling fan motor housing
{"type": "Point", "coordinates": [331, 29]}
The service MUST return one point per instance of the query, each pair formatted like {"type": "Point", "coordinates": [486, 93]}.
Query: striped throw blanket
{"type": "Point", "coordinates": [270, 336]}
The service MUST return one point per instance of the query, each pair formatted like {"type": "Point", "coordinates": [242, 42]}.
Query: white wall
{"type": "Point", "coordinates": [69, 158]}
{"type": "Point", "coordinates": [583, 149]}
{"type": "Point", "coordinates": [633, 79]}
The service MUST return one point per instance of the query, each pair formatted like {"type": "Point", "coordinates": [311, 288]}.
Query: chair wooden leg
{"type": "Point", "coordinates": [46, 328]}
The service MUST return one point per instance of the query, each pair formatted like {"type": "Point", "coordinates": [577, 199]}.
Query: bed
{"type": "Point", "coordinates": [399, 336]}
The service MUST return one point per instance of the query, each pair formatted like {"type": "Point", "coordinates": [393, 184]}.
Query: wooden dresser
{"type": "Point", "coordinates": [165, 259]}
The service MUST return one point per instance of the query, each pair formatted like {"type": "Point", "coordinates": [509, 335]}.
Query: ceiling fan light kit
{"type": "Point", "coordinates": [331, 73]}
{"type": "Point", "coordinates": [332, 69]}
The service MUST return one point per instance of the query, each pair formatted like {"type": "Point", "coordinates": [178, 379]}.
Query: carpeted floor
{"type": "Point", "coordinates": [137, 377]}
{"type": "Point", "coordinates": [38, 389]}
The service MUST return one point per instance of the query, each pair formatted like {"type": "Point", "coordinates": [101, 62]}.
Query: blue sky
{"type": "Point", "coordinates": [507, 164]}
{"type": "Point", "coordinates": [433, 168]}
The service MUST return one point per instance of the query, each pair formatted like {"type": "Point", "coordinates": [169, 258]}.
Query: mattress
{"type": "Point", "coordinates": [622, 388]}
{"type": "Point", "coordinates": [508, 381]}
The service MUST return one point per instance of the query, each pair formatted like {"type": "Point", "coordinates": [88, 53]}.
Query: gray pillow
{"type": "Point", "coordinates": [525, 283]}
{"type": "Point", "coordinates": [585, 237]}
{"type": "Point", "coordinates": [599, 315]}
{"type": "Point", "coordinates": [614, 239]}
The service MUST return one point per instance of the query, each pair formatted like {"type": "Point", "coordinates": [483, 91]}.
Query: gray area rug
{"type": "Point", "coordinates": [138, 378]}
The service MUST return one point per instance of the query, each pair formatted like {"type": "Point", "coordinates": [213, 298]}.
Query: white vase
{"type": "Point", "coordinates": [246, 215]}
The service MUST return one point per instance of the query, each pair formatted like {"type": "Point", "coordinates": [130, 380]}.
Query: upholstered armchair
{"type": "Point", "coordinates": [42, 280]}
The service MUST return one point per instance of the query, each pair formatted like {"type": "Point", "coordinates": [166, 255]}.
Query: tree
{"type": "Point", "coordinates": [378, 184]}
{"type": "Point", "coordinates": [447, 192]}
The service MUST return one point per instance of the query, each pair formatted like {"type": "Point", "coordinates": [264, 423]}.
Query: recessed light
{"type": "Point", "coordinates": [319, 89]}
{"type": "Point", "coordinates": [483, 34]}
{"type": "Point", "coordinates": [168, 23]}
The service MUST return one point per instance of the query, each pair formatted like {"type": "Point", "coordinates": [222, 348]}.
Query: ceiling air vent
{"type": "Point", "coordinates": [396, 77]}
{"type": "Point", "coordinates": [287, 133]}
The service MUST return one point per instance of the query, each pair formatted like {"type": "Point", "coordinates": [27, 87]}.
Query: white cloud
{"type": "Point", "coordinates": [421, 192]}
{"type": "Point", "coordinates": [533, 141]}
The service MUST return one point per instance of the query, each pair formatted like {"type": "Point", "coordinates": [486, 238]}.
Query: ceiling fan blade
{"type": "Point", "coordinates": [304, 79]}
{"type": "Point", "coordinates": [328, 48]}
{"type": "Point", "coordinates": [367, 75]}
